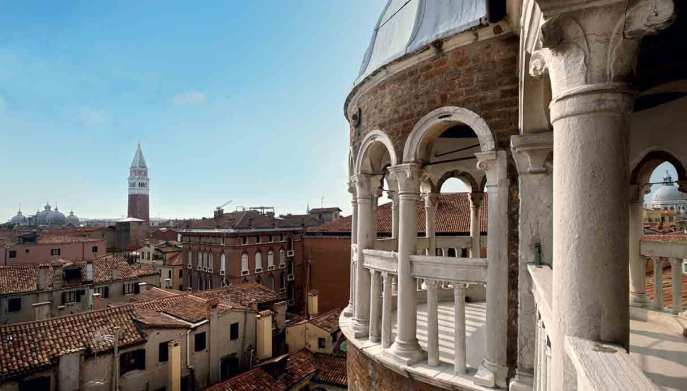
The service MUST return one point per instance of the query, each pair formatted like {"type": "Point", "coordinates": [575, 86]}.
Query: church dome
{"type": "Point", "coordinates": [57, 218]}
{"type": "Point", "coordinates": [19, 219]}
{"type": "Point", "coordinates": [669, 193]}
{"type": "Point", "coordinates": [43, 217]}
{"type": "Point", "coordinates": [406, 26]}
{"type": "Point", "coordinates": [72, 219]}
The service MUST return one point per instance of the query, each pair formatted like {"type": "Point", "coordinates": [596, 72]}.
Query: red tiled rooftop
{"type": "Point", "coordinates": [452, 217]}
{"type": "Point", "coordinates": [331, 369]}
{"type": "Point", "coordinates": [328, 321]}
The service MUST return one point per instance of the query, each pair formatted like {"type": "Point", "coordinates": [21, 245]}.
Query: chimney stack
{"type": "Point", "coordinates": [43, 282]}
{"type": "Point", "coordinates": [89, 271]}
{"type": "Point", "coordinates": [41, 311]}
{"type": "Point", "coordinates": [264, 335]}
{"type": "Point", "coordinates": [312, 303]}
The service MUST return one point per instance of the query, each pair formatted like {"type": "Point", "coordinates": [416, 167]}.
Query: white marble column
{"type": "Point", "coordinates": [386, 309]}
{"type": "Point", "coordinates": [406, 348]}
{"type": "Point", "coordinates": [431, 200]}
{"type": "Point", "coordinates": [492, 371]}
{"type": "Point", "coordinates": [475, 229]}
{"type": "Point", "coordinates": [535, 234]}
{"type": "Point", "coordinates": [589, 50]}
{"type": "Point", "coordinates": [393, 196]}
{"type": "Point", "coordinates": [366, 236]}
{"type": "Point", "coordinates": [459, 346]}
{"type": "Point", "coordinates": [638, 295]}
{"type": "Point", "coordinates": [658, 284]}
{"type": "Point", "coordinates": [676, 274]}
{"type": "Point", "coordinates": [375, 306]}
{"type": "Point", "coordinates": [349, 310]}
{"type": "Point", "coordinates": [432, 323]}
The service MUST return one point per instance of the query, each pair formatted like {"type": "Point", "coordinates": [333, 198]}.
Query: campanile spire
{"type": "Point", "coordinates": [138, 187]}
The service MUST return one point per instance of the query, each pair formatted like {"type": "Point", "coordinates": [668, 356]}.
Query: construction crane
{"type": "Point", "coordinates": [219, 211]}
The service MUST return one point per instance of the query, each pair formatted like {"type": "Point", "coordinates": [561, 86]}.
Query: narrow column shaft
{"type": "Point", "coordinates": [432, 323]}
{"type": "Point", "coordinates": [658, 284]}
{"type": "Point", "coordinates": [354, 230]}
{"type": "Point", "coordinates": [394, 213]}
{"type": "Point", "coordinates": [459, 328]}
{"type": "Point", "coordinates": [406, 347]}
{"type": "Point", "coordinates": [375, 306]}
{"type": "Point", "coordinates": [366, 235]}
{"type": "Point", "coordinates": [676, 273]}
{"type": "Point", "coordinates": [475, 229]}
{"type": "Point", "coordinates": [430, 217]}
{"type": "Point", "coordinates": [386, 309]}
{"type": "Point", "coordinates": [637, 263]}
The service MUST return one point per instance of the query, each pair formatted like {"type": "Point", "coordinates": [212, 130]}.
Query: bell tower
{"type": "Point", "coordinates": [138, 187]}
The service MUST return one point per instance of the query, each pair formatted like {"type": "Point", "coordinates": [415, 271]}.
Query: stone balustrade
{"type": "Point", "coordinates": [662, 253]}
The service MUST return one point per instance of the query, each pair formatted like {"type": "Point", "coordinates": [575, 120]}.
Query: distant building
{"type": "Point", "coordinates": [325, 215]}
{"type": "Point", "coordinates": [36, 292]}
{"type": "Point", "coordinates": [139, 187]}
{"type": "Point", "coordinates": [48, 217]}
{"type": "Point", "coordinates": [167, 257]}
{"type": "Point", "coordinates": [33, 247]}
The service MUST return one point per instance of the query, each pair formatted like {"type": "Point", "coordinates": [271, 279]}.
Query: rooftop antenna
{"type": "Point", "coordinates": [322, 202]}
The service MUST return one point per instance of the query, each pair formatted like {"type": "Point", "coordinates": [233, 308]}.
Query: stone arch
{"type": "Point", "coordinates": [463, 176]}
{"type": "Point", "coordinates": [435, 122]}
{"type": "Point", "coordinates": [372, 148]}
{"type": "Point", "coordinates": [652, 158]}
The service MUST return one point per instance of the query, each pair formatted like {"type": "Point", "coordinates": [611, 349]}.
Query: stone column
{"type": "Point", "coordinates": [348, 311]}
{"type": "Point", "coordinates": [475, 229]}
{"type": "Point", "coordinates": [406, 347]}
{"type": "Point", "coordinates": [393, 196]}
{"type": "Point", "coordinates": [676, 274]}
{"type": "Point", "coordinates": [386, 309]}
{"type": "Point", "coordinates": [638, 295]}
{"type": "Point", "coordinates": [589, 50]}
{"type": "Point", "coordinates": [366, 236]}
{"type": "Point", "coordinates": [432, 323]}
{"type": "Point", "coordinates": [658, 283]}
{"type": "Point", "coordinates": [459, 347]}
{"type": "Point", "coordinates": [375, 306]}
{"type": "Point", "coordinates": [492, 371]}
{"type": "Point", "coordinates": [530, 153]}
{"type": "Point", "coordinates": [431, 200]}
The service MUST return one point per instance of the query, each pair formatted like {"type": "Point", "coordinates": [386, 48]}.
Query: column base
{"type": "Point", "coordinates": [523, 381]}
{"type": "Point", "coordinates": [639, 299]}
{"type": "Point", "coordinates": [491, 375]}
{"type": "Point", "coordinates": [348, 311]}
{"type": "Point", "coordinates": [374, 338]}
{"type": "Point", "coordinates": [407, 353]}
{"type": "Point", "coordinates": [361, 328]}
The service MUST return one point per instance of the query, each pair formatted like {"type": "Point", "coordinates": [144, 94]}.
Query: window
{"type": "Point", "coordinates": [55, 251]}
{"type": "Point", "coordinates": [13, 254]}
{"type": "Point", "coordinates": [282, 257]}
{"type": "Point", "coordinates": [258, 262]}
{"type": "Point", "coordinates": [290, 267]}
{"type": "Point", "coordinates": [244, 264]}
{"type": "Point", "coordinates": [244, 240]}
{"type": "Point", "coordinates": [190, 259]}
{"type": "Point", "coordinates": [129, 361]}
{"type": "Point", "coordinates": [270, 259]}
{"type": "Point", "coordinates": [234, 331]}
{"type": "Point", "coordinates": [36, 384]}
{"type": "Point", "coordinates": [181, 274]}
{"type": "Point", "coordinates": [72, 296]}
{"type": "Point", "coordinates": [94, 249]}
{"type": "Point", "coordinates": [199, 340]}
{"type": "Point", "coordinates": [162, 352]}
{"type": "Point", "coordinates": [321, 343]}
{"type": "Point", "coordinates": [211, 262]}
{"type": "Point", "coordinates": [103, 290]}
{"type": "Point", "coordinates": [222, 264]}
{"type": "Point", "coordinates": [257, 239]}
{"type": "Point", "coordinates": [14, 304]}
{"type": "Point", "coordinates": [131, 288]}
{"type": "Point", "coordinates": [271, 238]}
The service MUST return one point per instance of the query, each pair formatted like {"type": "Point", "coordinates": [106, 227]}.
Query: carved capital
{"type": "Point", "coordinates": [476, 199]}
{"type": "Point", "coordinates": [431, 200]}
{"type": "Point", "coordinates": [493, 163]}
{"type": "Point", "coordinates": [594, 43]}
{"type": "Point", "coordinates": [637, 192]}
{"type": "Point", "coordinates": [366, 185]}
{"type": "Point", "coordinates": [531, 151]}
{"type": "Point", "coordinates": [407, 176]}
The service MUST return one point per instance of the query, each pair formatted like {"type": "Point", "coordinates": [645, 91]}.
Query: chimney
{"type": "Point", "coordinates": [41, 311]}
{"type": "Point", "coordinates": [68, 376]}
{"type": "Point", "coordinates": [57, 275]}
{"type": "Point", "coordinates": [312, 303]}
{"type": "Point", "coordinates": [116, 274]}
{"type": "Point", "coordinates": [89, 271]}
{"type": "Point", "coordinates": [174, 366]}
{"type": "Point", "coordinates": [43, 282]}
{"type": "Point", "coordinates": [264, 334]}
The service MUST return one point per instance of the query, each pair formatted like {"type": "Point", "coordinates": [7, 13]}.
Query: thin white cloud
{"type": "Point", "coordinates": [189, 98]}
{"type": "Point", "coordinates": [93, 118]}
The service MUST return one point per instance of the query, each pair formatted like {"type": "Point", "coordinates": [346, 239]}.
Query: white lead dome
{"type": "Point", "coordinates": [407, 25]}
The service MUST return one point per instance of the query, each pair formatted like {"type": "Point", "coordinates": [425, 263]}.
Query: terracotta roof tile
{"type": "Point", "coordinates": [452, 217]}
{"type": "Point", "coordinates": [32, 345]}
{"type": "Point", "coordinates": [243, 295]}
{"type": "Point", "coordinates": [329, 321]}
{"type": "Point", "coordinates": [331, 369]}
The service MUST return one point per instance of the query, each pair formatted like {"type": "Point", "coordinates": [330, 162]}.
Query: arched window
{"type": "Point", "coordinates": [282, 258]}
{"type": "Point", "coordinates": [258, 262]}
{"type": "Point", "coordinates": [244, 264]}
{"type": "Point", "coordinates": [452, 252]}
{"type": "Point", "coordinates": [270, 260]}
{"type": "Point", "coordinates": [222, 264]}
{"type": "Point", "coordinates": [282, 280]}
{"type": "Point", "coordinates": [190, 259]}
{"type": "Point", "coordinates": [269, 281]}
{"type": "Point", "coordinates": [211, 263]}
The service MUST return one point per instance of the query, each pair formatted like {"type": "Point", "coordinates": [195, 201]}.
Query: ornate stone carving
{"type": "Point", "coordinates": [408, 177]}
{"type": "Point", "coordinates": [476, 199]}
{"type": "Point", "coordinates": [531, 152]}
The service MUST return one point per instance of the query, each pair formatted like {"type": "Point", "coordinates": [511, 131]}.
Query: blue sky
{"type": "Point", "coordinates": [230, 100]}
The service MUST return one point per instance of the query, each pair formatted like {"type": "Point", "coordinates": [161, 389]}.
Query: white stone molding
{"type": "Point", "coordinates": [430, 126]}
{"type": "Point", "coordinates": [407, 177]}
{"type": "Point", "coordinates": [371, 138]}
{"type": "Point", "coordinates": [676, 277]}
{"type": "Point", "coordinates": [464, 270]}
{"type": "Point", "coordinates": [386, 261]}
{"type": "Point", "coordinates": [530, 152]}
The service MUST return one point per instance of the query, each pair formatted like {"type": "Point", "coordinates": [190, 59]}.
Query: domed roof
{"type": "Point", "coordinates": [668, 193]}
{"type": "Point", "coordinates": [18, 219]}
{"type": "Point", "coordinates": [407, 25]}
{"type": "Point", "coordinates": [72, 219]}
{"type": "Point", "coordinates": [43, 217]}
{"type": "Point", "coordinates": [57, 218]}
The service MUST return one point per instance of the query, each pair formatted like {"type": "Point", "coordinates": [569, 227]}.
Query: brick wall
{"type": "Point", "coordinates": [330, 268]}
